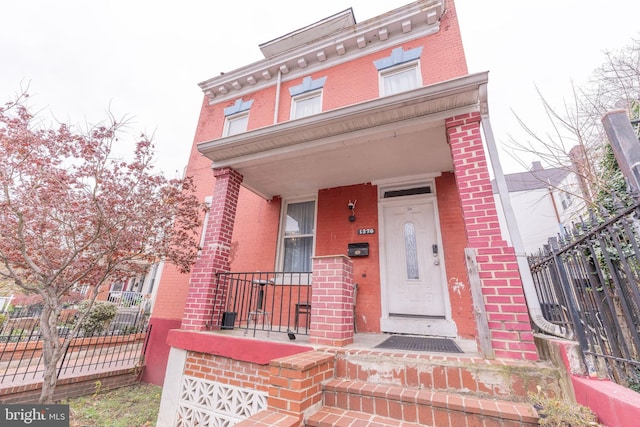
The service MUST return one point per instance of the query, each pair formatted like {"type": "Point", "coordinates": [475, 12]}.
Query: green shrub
{"type": "Point", "coordinates": [99, 318]}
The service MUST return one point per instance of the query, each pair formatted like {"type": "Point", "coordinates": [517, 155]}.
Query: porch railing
{"type": "Point", "coordinates": [272, 301]}
{"type": "Point", "coordinates": [126, 299]}
{"type": "Point", "coordinates": [589, 281]}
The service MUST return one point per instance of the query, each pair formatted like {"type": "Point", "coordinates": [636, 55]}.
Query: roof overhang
{"type": "Point", "coordinates": [387, 137]}
{"type": "Point", "coordinates": [328, 26]}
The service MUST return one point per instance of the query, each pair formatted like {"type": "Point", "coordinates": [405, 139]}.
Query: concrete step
{"type": "Point", "coordinates": [335, 417]}
{"type": "Point", "coordinates": [503, 379]}
{"type": "Point", "coordinates": [425, 407]}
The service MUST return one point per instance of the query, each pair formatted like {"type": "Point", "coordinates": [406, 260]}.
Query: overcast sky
{"type": "Point", "coordinates": [145, 58]}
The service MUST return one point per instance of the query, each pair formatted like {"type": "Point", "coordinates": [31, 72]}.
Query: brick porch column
{"type": "Point", "coordinates": [332, 301]}
{"type": "Point", "coordinates": [506, 308]}
{"type": "Point", "coordinates": [205, 304]}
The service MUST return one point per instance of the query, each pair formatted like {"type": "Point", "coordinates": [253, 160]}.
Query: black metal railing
{"type": "Point", "coordinates": [117, 345]}
{"type": "Point", "coordinates": [589, 282]}
{"type": "Point", "coordinates": [272, 301]}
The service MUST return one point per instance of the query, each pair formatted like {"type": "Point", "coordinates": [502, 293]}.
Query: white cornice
{"type": "Point", "coordinates": [406, 23]}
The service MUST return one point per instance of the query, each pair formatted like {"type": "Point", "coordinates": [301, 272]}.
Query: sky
{"type": "Point", "coordinates": [144, 59]}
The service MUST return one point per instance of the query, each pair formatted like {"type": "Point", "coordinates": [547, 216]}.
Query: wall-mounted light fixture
{"type": "Point", "coordinates": [352, 208]}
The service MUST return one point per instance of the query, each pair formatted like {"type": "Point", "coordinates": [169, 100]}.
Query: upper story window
{"type": "Point", "coordinates": [396, 80]}
{"type": "Point", "coordinates": [566, 200]}
{"type": "Point", "coordinates": [306, 98]}
{"type": "Point", "coordinates": [400, 71]}
{"type": "Point", "coordinates": [306, 105]}
{"type": "Point", "coordinates": [236, 124]}
{"type": "Point", "coordinates": [236, 117]}
{"type": "Point", "coordinates": [296, 246]}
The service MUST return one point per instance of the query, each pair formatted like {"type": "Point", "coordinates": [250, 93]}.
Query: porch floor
{"type": "Point", "coordinates": [361, 341]}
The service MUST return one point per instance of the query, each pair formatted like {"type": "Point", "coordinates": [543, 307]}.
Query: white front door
{"type": "Point", "coordinates": [415, 298]}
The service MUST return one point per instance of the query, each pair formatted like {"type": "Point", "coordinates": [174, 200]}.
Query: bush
{"type": "Point", "coordinates": [559, 413]}
{"type": "Point", "coordinates": [99, 318]}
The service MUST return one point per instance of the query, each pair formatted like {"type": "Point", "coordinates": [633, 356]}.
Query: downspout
{"type": "Point", "coordinates": [535, 312]}
{"type": "Point", "coordinates": [277, 104]}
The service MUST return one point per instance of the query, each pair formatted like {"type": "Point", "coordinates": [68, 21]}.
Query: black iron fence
{"type": "Point", "coordinates": [589, 282]}
{"type": "Point", "coordinates": [272, 301]}
{"type": "Point", "coordinates": [118, 344]}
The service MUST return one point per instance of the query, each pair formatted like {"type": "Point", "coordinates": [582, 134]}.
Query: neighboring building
{"type": "Point", "coordinates": [544, 201]}
{"type": "Point", "coordinates": [137, 291]}
{"type": "Point", "coordinates": [347, 138]}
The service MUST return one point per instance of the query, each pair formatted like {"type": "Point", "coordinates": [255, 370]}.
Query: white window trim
{"type": "Point", "coordinates": [405, 183]}
{"type": "Point", "coordinates": [304, 96]}
{"type": "Point", "coordinates": [415, 64]}
{"type": "Point", "coordinates": [233, 117]}
{"type": "Point", "coordinates": [282, 228]}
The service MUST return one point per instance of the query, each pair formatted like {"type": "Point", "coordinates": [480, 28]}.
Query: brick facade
{"type": "Point", "coordinates": [511, 334]}
{"type": "Point", "coordinates": [335, 232]}
{"type": "Point", "coordinates": [224, 370]}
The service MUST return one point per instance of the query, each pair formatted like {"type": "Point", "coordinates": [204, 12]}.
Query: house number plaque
{"type": "Point", "coordinates": [367, 231]}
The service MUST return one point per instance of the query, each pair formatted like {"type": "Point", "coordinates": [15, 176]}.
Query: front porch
{"type": "Point", "coordinates": [224, 377]}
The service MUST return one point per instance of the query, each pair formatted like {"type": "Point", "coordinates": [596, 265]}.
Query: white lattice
{"type": "Point", "coordinates": [207, 404]}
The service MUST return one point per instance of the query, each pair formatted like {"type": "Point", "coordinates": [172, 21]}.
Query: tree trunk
{"type": "Point", "coordinates": [52, 349]}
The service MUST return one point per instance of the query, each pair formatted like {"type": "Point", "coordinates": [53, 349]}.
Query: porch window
{"type": "Point", "coordinates": [298, 236]}
{"type": "Point", "coordinates": [399, 79]}
{"type": "Point", "coordinates": [236, 124]}
{"type": "Point", "coordinates": [307, 104]}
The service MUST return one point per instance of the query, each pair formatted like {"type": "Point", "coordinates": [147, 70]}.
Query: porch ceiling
{"type": "Point", "coordinates": [388, 137]}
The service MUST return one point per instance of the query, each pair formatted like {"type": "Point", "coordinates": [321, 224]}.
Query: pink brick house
{"type": "Point", "coordinates": [349, 191]}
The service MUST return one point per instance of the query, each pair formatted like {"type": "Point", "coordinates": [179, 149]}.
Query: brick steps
{"type": "Point", "coordinates": [500, 379]}
{"type": "Point", "coordinates": [335, 417]}
{"type": "Point", "coordinates": [425, 407]}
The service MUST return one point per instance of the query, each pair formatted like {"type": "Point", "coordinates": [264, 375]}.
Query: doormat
{"type": "Point", "coordinates": [403, 342]}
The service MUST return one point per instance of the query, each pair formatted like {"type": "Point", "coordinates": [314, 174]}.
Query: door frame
{"type": "Point", "coordinates": [418, 326]}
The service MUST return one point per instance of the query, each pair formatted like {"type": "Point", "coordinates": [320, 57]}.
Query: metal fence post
{"type": "Point", "coordinates": [572, 305]}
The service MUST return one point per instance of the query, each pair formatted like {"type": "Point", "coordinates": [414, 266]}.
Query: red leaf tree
{"type": "Point", "coordinates": [73, 213]}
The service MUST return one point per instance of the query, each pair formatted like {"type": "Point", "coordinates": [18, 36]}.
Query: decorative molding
{"type": "Point", "coordinates": [238, 107]}
{"type": "Point", "coordinates": [207, 403]}
{"type": "Point", "coordinates": [398, 56]}
{"type": "Point", "coordinates": [308, 85]}
{"type": "Point", "coordinates": [406, 23]}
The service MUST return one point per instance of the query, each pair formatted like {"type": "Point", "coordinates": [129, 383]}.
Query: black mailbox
{"type": "Point", "coordinates": [358, 249]}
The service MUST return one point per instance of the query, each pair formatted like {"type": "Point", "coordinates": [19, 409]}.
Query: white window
{"type": "Point", "coordinates": [400, 79]}
{"type": "Point", "coordinates": [236, 123]}
{"type": "Point", "coordinates": [566, 200]}
{"type": "Point", "coordinates": [298, 236]}
{"type": "Point", "coordinates": [306, 104]}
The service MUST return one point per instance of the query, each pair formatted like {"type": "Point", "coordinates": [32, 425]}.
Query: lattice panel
{"type": "Point", "coordinates": [207, 404]}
